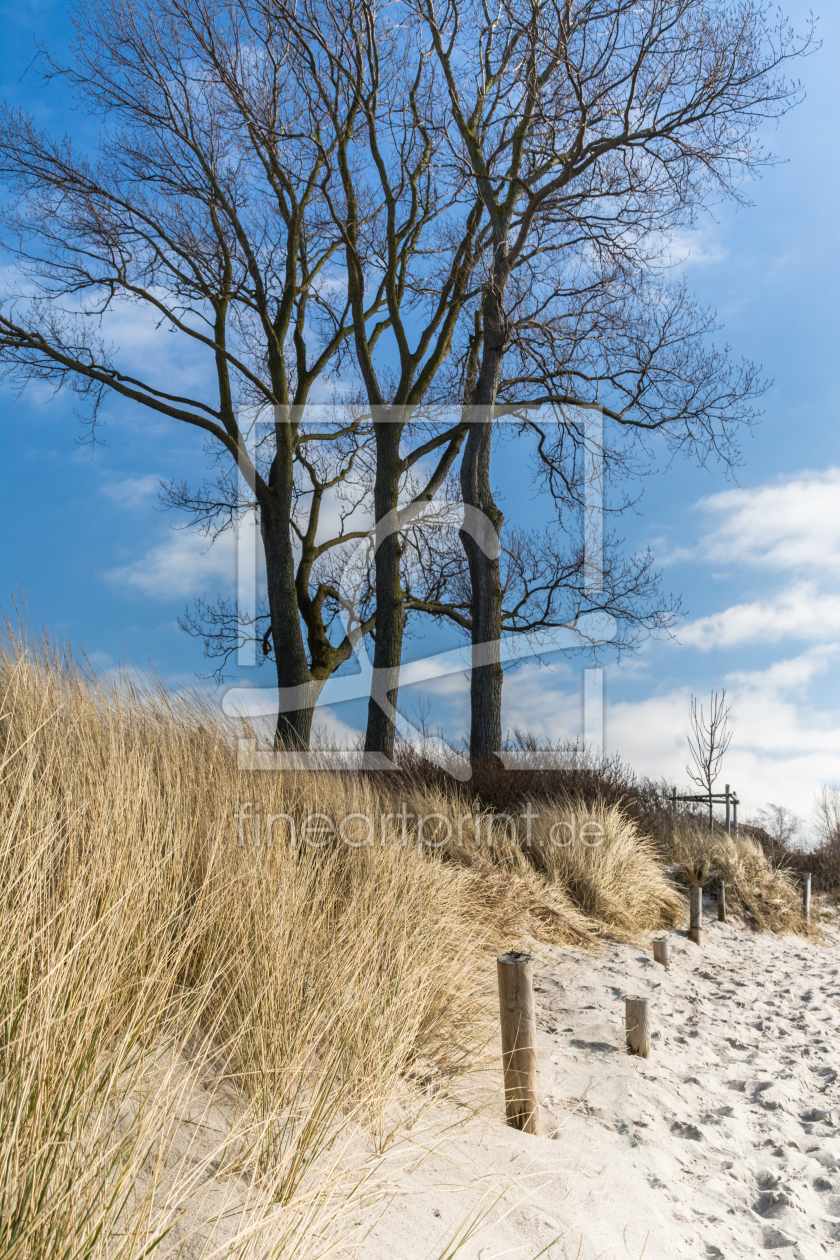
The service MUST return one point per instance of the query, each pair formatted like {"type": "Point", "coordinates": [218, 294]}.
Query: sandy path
{"type": "Point", "coordinates": [725, 1143]}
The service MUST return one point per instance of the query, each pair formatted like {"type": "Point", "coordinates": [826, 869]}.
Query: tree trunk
{"type": "Point", "coordinates": [390, 613]}
{"type": "Point", "coordinates": [485, 572]}
{"type": "Point", "coordinates": [294, 724]}
{"type": "Point", "coordinates": [485, 578]}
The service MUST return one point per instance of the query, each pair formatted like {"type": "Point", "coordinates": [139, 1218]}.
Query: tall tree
{"type": "Point", "coordinates": [469, 203]}
{"type": "Point", "coordinates": [590, 130]}
{"type": "Point", "coordinates": [206, 207]}
{"type": "Point", "coordinates": [427, 243]}
{"type": "Point", "coordinates": [369, 79]}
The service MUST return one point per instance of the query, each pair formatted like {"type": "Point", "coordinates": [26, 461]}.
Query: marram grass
{"type": "Point", "coordinates": [200, 1038]}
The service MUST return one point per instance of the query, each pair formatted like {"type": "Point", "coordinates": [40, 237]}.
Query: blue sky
{"type": "Point", "coordinates": [756, 557]}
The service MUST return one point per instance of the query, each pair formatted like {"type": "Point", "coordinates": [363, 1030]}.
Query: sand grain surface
{"type": "Point", "coordinates": [725, 1143]}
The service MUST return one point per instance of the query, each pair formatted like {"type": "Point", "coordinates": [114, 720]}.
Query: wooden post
{"type": "Point", "coordinates": [806, 896]}
{"type": "Point", "coordinates": [661, 952]}
{"type": "Point", "coordinates": [735, 816]}
{"type": "Point", "coordinates": [721, 892]}
{"type": "Point", "coordinates": [519, 1041]}
{"type": "Point", "coordinates": [674, 810]}
{"type": "Point", "coordinates": [637, 1026]}
{"type": "Point", "coordinates": [728, 832]}
{"type": "Point", "coordinates": [696, 921]}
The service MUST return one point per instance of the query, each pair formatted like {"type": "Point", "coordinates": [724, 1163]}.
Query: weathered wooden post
{"type": "Point", "coordinates": [661, 952]}
{"type": "Point", "coordinates": [721, 895]}
{"type": "Point", "coordinates": [674, 810]}
{"type": "Point", "coordinates": [728, 832]}
{"type": "Point", "coordinates": [696, 920]}
{"type": "Point", "coordinates": [637, 1025]}
{"type": "Point", "coordinates": [806, 896]}
{"type": "Point", "coordinates": [735, 815]}
{"type": "Point", "coordinates": [519, 1041]}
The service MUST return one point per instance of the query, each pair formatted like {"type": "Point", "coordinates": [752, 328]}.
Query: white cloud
{"type": "Point", "coordinates": [170, 360]}
{"type": "Point", "coordinates": [801, 611]}
{"type": "Point", "coordinates": [328, 727]}
{"type": "Point", "coordinates": [182, 565]}
{"type": "Point", "coordinates": [696, 247]}
{"type": "Point", "coordinates": [132, 492]}
{"type": "Point", "coordinates": [773, 704]}
{"type": "Point", "coordinates": [544, 700]}
{"type": "Point", "coordinates": [100, 660]}
{"type": "Point", "coordinates": [788, 525]}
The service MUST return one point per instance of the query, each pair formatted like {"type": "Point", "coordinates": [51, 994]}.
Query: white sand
{"type": "Point", "coordinates": [725, 1143]}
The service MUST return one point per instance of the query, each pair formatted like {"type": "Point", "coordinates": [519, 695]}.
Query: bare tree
{"type": "Point", "coordinates": [780, 823]}
{"type": "Point", "coordinates": [513, 173]}
{"type": "Point", "coordinates": [708, 742]}
{"type": "Point", "coordinates": [827, 813]}
{"type": "Point", "coordinates": [590, 131]}
{"type": "Point", "coordinates": [371, 81]}
{"type": "Point", "coordinates": [442, 204]}
{"type": "Point", "coordinates": [206, 208]}
{"type": "Point", "coordinates": [545, 584]}
{"type": "Point", "coordinates": [332, 469]}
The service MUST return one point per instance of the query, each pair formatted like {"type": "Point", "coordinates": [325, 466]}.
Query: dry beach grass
{"type": "Point", "coordinates": [764, 894]}
{"type": "Point", "coordinates": [196, 1031]}
{"type": "Point", "coordinates": [140, 945]}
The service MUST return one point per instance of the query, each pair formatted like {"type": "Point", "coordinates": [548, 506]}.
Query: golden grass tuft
{"type": "Point", "coordinates": [613, 873]}
{"type": "Point", "coordinates": [148, 960]}
{"type": "Point", "coordinates": [577, 872]}
{"type": "Point", "coordinates": [767, 896]}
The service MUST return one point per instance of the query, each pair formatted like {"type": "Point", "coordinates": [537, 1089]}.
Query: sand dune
{"type": "Point", "coordinates": [725, 1143]}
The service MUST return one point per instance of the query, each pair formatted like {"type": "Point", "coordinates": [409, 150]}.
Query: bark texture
{"type": "Point", "coordinates": [485, 572]}
{"type": "Point", "coordinates": [294, 725]}
{"type": "Point", "coordinates": [390, 610]}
